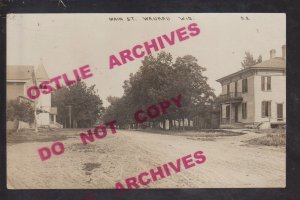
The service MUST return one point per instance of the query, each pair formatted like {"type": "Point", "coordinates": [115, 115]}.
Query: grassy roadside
{"type": "Point", "coordinates": [273, 137]}
{"type": "Point", "coordinates": [44, 135]}
{"type": "Point", "coordinates": [212, 133]}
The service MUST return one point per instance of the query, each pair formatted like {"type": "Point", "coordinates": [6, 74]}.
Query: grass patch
{"type": "Point", "coordinates": [201, 133]}
{"type": "Point", "coordinates": [28, 135]}
{"type": "Point", "coordinates": [271, 139]}
{"type": "Point", "coordinates": [202, 138]}
{"type": "Point", "coordinates": [271, 131]}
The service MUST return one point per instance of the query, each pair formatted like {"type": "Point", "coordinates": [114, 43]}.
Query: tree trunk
{"type": "Point", "coordinates": [18, 125]}
{"type": "Point", "coordinates": [164, 124]}
{"type": "Point", "coordinates": [74, 124]}
{"type": "Point", "coordinates": [170, 124]}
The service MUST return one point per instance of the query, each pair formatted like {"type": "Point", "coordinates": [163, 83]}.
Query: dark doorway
{"type": "Point", "coordinates": [279, 112]}
{"type": "Point", "coordinates": [236, 113]}
{"type": "Point", "coordinates": [227, 113]}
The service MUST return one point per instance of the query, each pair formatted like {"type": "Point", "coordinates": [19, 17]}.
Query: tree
{"type": "Point", "coordinates": [119, 111]}
{"type": "Point", "coordinates": [86, 105]}
{"type": "Point", "coordinates": [20, 110]}
{"type": "Point", "coordinates": [158, 79]}
{"type": "Point", "coordinates": [150, 84]}
{"type": "Point", "coordinates": [190, 82]}
{"type": "Point", "coordinates": [250, 61]}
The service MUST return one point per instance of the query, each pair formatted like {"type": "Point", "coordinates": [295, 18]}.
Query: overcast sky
{"type": "Point", "coordinates": [68, 41]}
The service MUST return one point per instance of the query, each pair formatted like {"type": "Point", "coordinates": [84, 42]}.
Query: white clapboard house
{"type": "Point", "coordinates": [256, 95]}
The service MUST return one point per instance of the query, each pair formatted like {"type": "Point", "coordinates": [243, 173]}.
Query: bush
{"type": "Point", "coordinates": [19, 110]}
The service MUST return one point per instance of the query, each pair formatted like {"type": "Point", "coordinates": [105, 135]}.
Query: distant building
{"type": "Point", "coordinates": [255, 95]}
{"type": "Point", "coordinates": [19, 78]}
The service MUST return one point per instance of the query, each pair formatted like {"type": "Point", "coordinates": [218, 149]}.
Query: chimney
{"type": "Point", "coordinates": [272, 53]}
{"type": "Point", "coordinates": [283, 51]}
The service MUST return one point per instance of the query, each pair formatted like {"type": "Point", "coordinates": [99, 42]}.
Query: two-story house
{"type": "Point", "coordinates": [255, 95]}
{"type": "Point", "coordinates": [19, 78]}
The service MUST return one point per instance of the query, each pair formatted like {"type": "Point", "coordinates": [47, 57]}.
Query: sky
{"type": "Point", "coordinates": [63, 42]}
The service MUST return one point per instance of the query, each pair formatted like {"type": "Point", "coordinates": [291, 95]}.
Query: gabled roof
{"type": "Point", "coordinates": [273, 63]}
{"type": "Point", "coordinates": [19, 72]}
{"type": "Point", "coordinates": [41, 73]}
{"type": "Point", "coordinates": [24, 73]}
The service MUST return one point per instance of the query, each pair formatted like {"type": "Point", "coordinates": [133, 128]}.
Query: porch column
{"type": "Point", "coordinates": [54, 119]}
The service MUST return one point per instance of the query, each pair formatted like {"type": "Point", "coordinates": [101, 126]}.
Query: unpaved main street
{"type": "Point", "coordinates": [230, 163]}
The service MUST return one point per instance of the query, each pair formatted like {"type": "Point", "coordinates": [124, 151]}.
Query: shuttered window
{"type": "Point", "coordinates": [262, 83]}
{"type": "Point", "coordinates": [266, 109]}
{"type": "Point", "coordinates": [245, 85]}
{"type": "Point", "coordinates": [269, 83]}
{"type": "Point", "coordinates": [228, 88]}
{"type": "Point", "coordinates": [266, 83]}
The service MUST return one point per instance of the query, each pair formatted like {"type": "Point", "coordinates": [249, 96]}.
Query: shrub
{"type": "Point", "coordinates": [19, 110]}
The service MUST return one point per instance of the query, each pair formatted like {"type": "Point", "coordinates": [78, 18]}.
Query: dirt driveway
{"type": "Point", "coordinates": [230, 162]}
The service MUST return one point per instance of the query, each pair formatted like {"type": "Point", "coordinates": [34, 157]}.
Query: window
{"type": "Point", "coordinates": [244, 110]}
{"type": "Point", "coordinates": [228, 88]}
{"type": "Point", "coordinates": [245, 85]}
{"type": "Point", "coordinates": [235, 89]}
{"type": "Point", "coordinates": [266, 109]}
{"type": "Point", "coordinates": [266, 83]}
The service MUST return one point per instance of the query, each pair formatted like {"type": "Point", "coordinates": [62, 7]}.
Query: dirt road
{"type": "Point", "coordinates": [230, 162]}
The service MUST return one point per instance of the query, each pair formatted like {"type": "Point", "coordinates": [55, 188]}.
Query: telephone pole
{"type": "Point", "coordinates": [70, 115]}
{"type": "Point", "coordinates": [35, 115]}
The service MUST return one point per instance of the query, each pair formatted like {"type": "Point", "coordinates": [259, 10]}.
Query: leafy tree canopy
{"type": "Point", "coordinates": [87, 107]}
{"type": "Point", "coordinates": [250, 61]}
{"type": "Point", "coordinates": [160, 78]}
{"type": "Point", "coordinates": [20, 110]}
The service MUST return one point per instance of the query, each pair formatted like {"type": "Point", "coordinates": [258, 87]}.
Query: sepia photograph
{"type": "Point", "coordinates": [143, 101]}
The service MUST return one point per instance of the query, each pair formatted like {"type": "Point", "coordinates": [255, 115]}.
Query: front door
{"type": "Point", "coordinates": [228, 113]}
{"type": "Point", "coordinates": [236, 113]}
{"type": "Point", "coordinates": [279, 112]}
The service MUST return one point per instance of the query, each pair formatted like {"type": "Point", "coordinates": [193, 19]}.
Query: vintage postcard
{"type": "Point", "coordinates": [133, 101]}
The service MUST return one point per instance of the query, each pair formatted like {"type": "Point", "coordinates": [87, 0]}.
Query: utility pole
{"type": "Point", "coordinates": [70, 115]}
{"type": "Point", "coordinates": [35, 102]}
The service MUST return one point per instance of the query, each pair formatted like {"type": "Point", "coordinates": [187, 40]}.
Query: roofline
{"type": "Point", "coordinates": [28, 66]}
{"type": "Point", "coordinates": [248, 69]}
{"type": "Point", "coordinates": [17, 80]}
{"type": "Point", "coordinates": [233, 74]}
